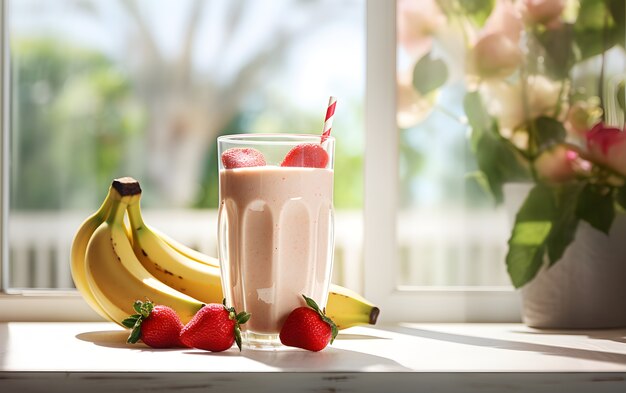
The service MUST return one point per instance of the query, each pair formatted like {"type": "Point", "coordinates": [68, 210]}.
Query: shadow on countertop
{"type": "Point", "coordinates": [291, 359]}
{"type": "Point", "coordinates": [617, 335]}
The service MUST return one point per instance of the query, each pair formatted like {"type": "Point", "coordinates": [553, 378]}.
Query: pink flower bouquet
{"type": "Point", "coordinates": [545, 104]}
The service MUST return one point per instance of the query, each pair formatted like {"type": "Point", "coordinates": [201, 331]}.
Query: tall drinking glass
{"type": "Point", "coordinates": [275, 230]}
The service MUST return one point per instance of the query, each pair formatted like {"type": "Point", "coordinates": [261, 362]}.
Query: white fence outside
{"type": "Point", "coordinates": [435, 248]}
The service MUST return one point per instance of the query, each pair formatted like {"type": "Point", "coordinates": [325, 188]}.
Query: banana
{"type": "Point", "coordinates": [185, 250]}
{"type": "Point", "coordinates": [79, 250]}
{"type": "Point", "coordinates": [347, 308]}
{"type": "Point", "coordinates": [175, 269]}
{"type": "Point", "coordinates": [198, 275]}
{"type": "Point", "coordinates": [114, 274]}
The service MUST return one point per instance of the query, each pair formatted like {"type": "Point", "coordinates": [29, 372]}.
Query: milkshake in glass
{"type": "Point", "coordinates": [275, 227]}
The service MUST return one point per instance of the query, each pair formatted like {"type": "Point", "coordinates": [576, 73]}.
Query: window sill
{"type": "Point", "coordinates": [471, 357]}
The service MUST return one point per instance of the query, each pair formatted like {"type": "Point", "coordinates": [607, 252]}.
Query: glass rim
{"type": "Point", "coordinates": [272, 138]}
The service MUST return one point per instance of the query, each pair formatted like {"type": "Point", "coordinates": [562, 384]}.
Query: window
{"type": "Point", "coordinates": [435, 230]}
{"type": "Point", "coordinates": [403, 233]}
{"type": "Point", "coordinates": [96, 89]}
{"type": "Point", "coordinates": [145, 90]}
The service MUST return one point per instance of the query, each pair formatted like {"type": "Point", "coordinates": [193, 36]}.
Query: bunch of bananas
{"type": "Point", "coordinates": [113, 265]}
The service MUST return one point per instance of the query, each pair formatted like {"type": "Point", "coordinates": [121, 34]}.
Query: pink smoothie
{"type": "Point", "coordinates": [278, 223]}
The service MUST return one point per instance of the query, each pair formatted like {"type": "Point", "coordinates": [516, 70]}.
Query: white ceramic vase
{"type": "Point", "coordinates": [586, 288]}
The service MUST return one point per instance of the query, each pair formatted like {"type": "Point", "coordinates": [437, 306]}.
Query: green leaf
{"type": "Point", "coordinates": [333, 329]}
{"type": "Point", "coordinates": [559, 55]}
{"type": "Point", "coordinates": [531, 233]}
{"type": "Point", "coordinates": [549, 131]}
{"type": "Point", "coordinates": [620, 197]}
{"type": "Point", "coordinates": [527, 244]}
{"type": "Point", "coordinates": [131, 321]}
{"type": "Point", "coordinates": [243, 317]}
{"type": "Point", "coordinates": [592, 42]}
{"type": "Point", "coordinates": [499, 162]}
{"type": "Point", "coordinates": [496, 159]}
{"type": "Point", "coordinates": [238, 337]}
{"type": "Point", "coordinates": [429, 74]}
{"type": "Point", "coordinates": [524, 260]}
{"type": "Point", "coordinates": [137, 306]}
{"type": "Point", "coordinates": [565, 222]}
{"type": "Point", "coordinates": [595, 205]}
{"type": "Point", "coordinates": [621, 96]}
{"type": "Point", "coordinates": [479, 119]}
{"type": "Point", "coordinates": [311, 303]}
{"type": "Point", "coordinates": [591, 15]}
{"type": "Point", "coordinates": [479, 178]}
{"type": "Point", "coordinates": [617, 9]}
{"type": "Point", "coordinates": [590, 34]}
{"type": "Point", "coordinates": [478, 10]}
{"type": "Point", "coordinates": [476, 6]}
{"type": "Point", "coordinates": [135, 334]}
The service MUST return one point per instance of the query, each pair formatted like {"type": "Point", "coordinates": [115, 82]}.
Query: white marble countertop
{"type": "Point", "coordinates": [400, 352]}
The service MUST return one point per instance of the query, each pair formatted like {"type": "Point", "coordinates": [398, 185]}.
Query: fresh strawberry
{"type": "Point", "coordinates": [240, 157]}
{"type": "Point", "coordinates": [308, 328]}
{"type": "Point", "coordinates": [310, 155]}
{"type": "Point", "coordinates": [214, 328]}
{"type": "Point", "coordinates": [157, 326]}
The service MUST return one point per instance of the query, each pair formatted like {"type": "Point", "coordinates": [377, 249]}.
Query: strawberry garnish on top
{"type": "Point", "coordinates": [241, 157]}
{"type": "Point", "coordinates": [309, 155]}
{"type": "Point", "coordinates": [215, 328]}
{"type": "Point", "coordinates": [308, 328]}
{"type": "Point", "coordinates": [157, 326]}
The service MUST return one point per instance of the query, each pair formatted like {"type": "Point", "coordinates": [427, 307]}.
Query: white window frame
{"type": "Point", "coordinates": [398, 303]}
{"type": "Point", "coordinates": [26, 305]}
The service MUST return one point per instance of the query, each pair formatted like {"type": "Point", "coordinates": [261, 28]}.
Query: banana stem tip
{"type": "Point", "coordinates": [374, 315]}
{"type": "Point", "coordinates": [126, 186]}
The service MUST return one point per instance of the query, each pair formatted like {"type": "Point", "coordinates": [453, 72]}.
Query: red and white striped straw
{"type": "Point", "coordinates": [328, 121]}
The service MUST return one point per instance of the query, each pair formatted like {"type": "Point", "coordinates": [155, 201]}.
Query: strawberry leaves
{"type": "Point", "coordinates": [239, 319]}
{"type": "Point", "coordinates": [322, 313]}
{"type": "Point", "coordinates": [133, 322]}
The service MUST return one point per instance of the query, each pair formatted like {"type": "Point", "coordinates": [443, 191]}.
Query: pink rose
{"type": "Point", "coordinates": [607, 146]}
{"type": "Point", "coordinates": [496, 52]}
{"type": "Point", "coordinates": [505, 20]}
{"type": "Point", "coordinates": [417, 23]}
{"type": "Point", "coordinates": [546, 12]}
{"type": "Point", "coordinates": [503, 100]}
{"type": "Point", "coordinates": [412, 107]}
{"type": "Point", "coordinates": [495, 55]}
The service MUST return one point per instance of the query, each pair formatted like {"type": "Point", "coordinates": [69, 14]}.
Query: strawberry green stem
{"type": "Point", "coordinates": [333, 327]}
{"type": "Point", "coordinates": [239, 319]}
{"type": "Point", "coordinates": [133, 322]}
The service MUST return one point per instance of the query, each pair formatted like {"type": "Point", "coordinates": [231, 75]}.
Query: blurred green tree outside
{"type": "Point", "coordinates": [72, 113]}
{"type": "Point", "coordinates": [77, 123]}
